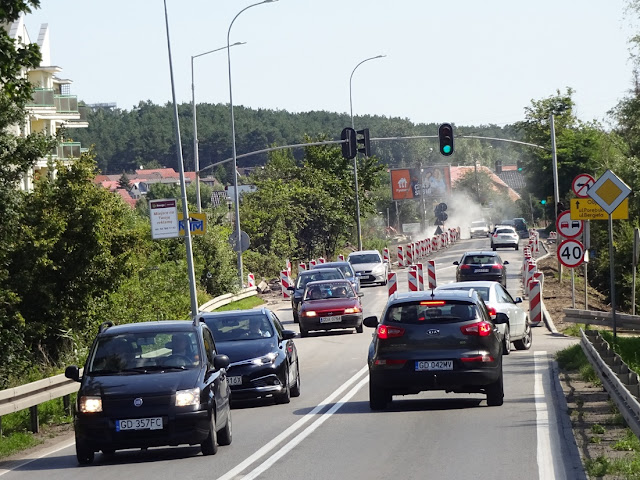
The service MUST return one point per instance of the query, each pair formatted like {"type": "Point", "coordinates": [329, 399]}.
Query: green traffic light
{"type": "Point", "coordinates": [543, 202]}
{"type": "Point", "coordinates": [446, 149]}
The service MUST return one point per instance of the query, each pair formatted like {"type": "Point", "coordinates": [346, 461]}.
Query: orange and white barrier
{"type": "Point", "coordinates": [553, 236]}
{"type": "Point", "coordinates": [289, 266]}
{"type": "Point", "coordinates": [431, 274]}
{"type": "Point", "coordinates": [302, 267]}
{"type": "Point", "coordinates": [535, 306]}
{"type": "Point", "coordinates": [392, 283]}
{"type": "Point", "coordinates": [400, 256]}
{"type": "Point", "coordinates": [312, 263]}
{"type": "Point", "coordinates": [413, 278]}
{"type": "Point", "coordinates": [341, 258]}
{"type": "Point", "coordinates": [420, 276]}
{"type": "Point", "coordinates": [321, 260]}
{"type": "Point", "coordinates": [285, 283]}
{"type": "Point", "coordinates": [409, 256]}
{"type": "Point", "coordinates": [385, 254]}
{"type": "Point", "coordinates": [251, 280]}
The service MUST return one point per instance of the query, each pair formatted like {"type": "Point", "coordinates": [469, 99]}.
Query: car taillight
{"type": "Point", "coordinates": [478, 358]}
{"type": "Point", "coordinates": [481, 329]}
{"type": "Point", "coordinates": [390, 361]}
{"type": "Point", "coordinates": [492, 311]}
{"type": "Point", "coordinates": [387, 331]}
{"type": "Point", "coordinates": [464, 267]}
{"type": "Point", "coordinates": [497, 267]}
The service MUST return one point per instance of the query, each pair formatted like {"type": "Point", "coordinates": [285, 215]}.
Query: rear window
{"type": "Point", "coordinates": [478, 224]}
{"type": "Point", "coordinates": [313, 277]}
{"type": "Point", "coordinates": [483, 292]}
{"type": "Point", "coordinates": [426, 312]}
{"type": "Point", "coordinates": [323, 291]}
{"type": "Point", "coordinates": [505, 230]}
{"type": "Point", "coordinates": [480, 260]}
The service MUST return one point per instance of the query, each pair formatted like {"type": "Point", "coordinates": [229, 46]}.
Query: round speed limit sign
{"type": "Point", "coordinates": [571, 253]}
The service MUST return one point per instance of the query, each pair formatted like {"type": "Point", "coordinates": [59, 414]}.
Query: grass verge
{"type": "Point", "coordinates": [244, 304]}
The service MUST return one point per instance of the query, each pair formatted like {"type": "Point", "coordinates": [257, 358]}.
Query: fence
{"type": "Point", "coordinates": [591, 317]}
{"type": "Point", "coordinates": [32, 394]}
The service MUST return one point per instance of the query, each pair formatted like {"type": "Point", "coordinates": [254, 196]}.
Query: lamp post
{"type": "Point", "coordinates": [355, 159]}
{"type": "Point", "coordinates": [238, 232]}
{"type": "Point", "coordinates": [196, 158]}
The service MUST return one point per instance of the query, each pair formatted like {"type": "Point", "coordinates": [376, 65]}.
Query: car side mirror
{"type": "Point", "coordinates": [518, 300]}
{"type": "Point", "coordinates": [501, 318]}
{"type": "Point", "coordinates": [72, 373]}
{"type": "Point", "coordinates": [506, 262]}
{"type": "Point", "coordinates": [221, 361]}
{"type": "Point", "coordinates": [371, 322]}
{"type": "Point", "coordinates": [288, 334]}
{"type": "Point", "coordinates": [456, 263]}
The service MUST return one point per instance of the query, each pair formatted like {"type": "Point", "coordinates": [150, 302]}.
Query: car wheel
{"type": "Point", "coordinates": [517, 247]}
{"type": "Point", "coordinates": [84, 455]}
{"type": "Point", "coordinates": [225, 434]}
{"type": "Point", "coordinates": [527, 340]}
{"type": "Point", "coordinates": [378, 398]}
{"type": "Point", "coordinates": [296, 319]}
{"type": "Point", "coordinates": [210, 444]}
{"type": "Point", "coordinates": [359, 328]}
{"type": "Point", "coordinates": [506, 341]}
{"type": "Point", "coordinates": [495, 392]}
{"type": "Point", "coordinates": [284, 397]}
{"type": "Point", "coordinates": [303, 332]}
{"type": "Point", "coordinates": [494, 248]}
{"type": "Point", "coordinates": [295, 390]}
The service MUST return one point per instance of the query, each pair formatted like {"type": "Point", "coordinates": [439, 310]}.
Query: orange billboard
{"type": "Point", "coordinates": [431, 182]}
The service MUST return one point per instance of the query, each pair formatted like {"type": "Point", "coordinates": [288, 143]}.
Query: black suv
{"type": "Point", "coordinates": [442, 341]}
{"type": "Point", "coordinates": [151, 384]}
{"type": "Point", "coordinates": [479, 265]}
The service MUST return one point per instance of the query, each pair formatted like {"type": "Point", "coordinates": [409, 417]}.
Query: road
{"type": "Point", "coordinates": [330, 433]}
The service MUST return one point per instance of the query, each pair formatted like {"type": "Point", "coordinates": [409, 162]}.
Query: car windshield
{"type": "Point", "coordinates": [143, 352]}
{"type": "Point", "coordinates": [480, 260]}
{"type": "Point", "coordinates": [323, 291]}
{"type": "Point", "coordinates": [303, 279]}
{"type": "Point", "coordinates": [231, 328]}
{"type": "Point", "coordinates": [423, 313]}
{"type": "Point", "coordinates": [365, 258]}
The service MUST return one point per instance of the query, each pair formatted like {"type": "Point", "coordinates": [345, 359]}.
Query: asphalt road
{"type": "Point", "coordinates": [330, 433]}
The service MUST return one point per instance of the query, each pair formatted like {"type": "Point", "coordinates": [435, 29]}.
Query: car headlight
{"type": "Point", "coordinates": [309, 313]}
{"type": "Point", "coordinates": [379, 268]}
{"type": "Point", "coordinates": [266, 360]}
{"type": "Point", "coordinates": [352, 310]}
{"type": "Point", "coordinates": [188, 397]}
{"type": "Point", "coordinates": [90, 404]}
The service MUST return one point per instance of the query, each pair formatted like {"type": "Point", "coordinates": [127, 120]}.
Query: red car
{"type": "Point", "coordinates": [328, 305]}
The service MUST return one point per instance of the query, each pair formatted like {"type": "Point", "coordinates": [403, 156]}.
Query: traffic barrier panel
{"type": "Point", "coordinates": [285, 283]}
{"type": "Point", "coordinates": [420, 277]}
{"type": "Point", "coordinates": [392, 283]}
{"type": "Point", "coordinates": [251, 280]}
{"type": "Point", "coordinates": [302, 267]}
{"type": "Point", "coordinates": [321, 260]}
{"type": "Point", "coordinates": [413, 278]}
{"type": "Point", "coordinates": [535, 307]}
{"type": "Point", "coordinates": [312, 263]}
{"type": "Point", "coordinates": [409, 256]}
{"type": "Point", "coordinates": [431, 274]}
{"type": "Point", "coordinates": [289, 266]}
{"type": "Point", "coordinates": [553, 236]}
{"type": "Point", "coordinates": [385, 254]}
{"type": "Point", "coordinates": [533, 268]}
{"type": "Point", "coordinates": [400, 256]}
{"type": "Point", "coordinates": [341, 258]}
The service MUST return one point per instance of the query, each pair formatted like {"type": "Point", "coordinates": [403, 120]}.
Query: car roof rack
{"type": "Point", "coordinates": [104, 326]}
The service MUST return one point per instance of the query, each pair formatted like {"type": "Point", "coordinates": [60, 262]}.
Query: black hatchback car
{"type": "Point", "coordinates": [264, 359]}
{"type": "Point", "coordinates": [435, 341]}
{"type": "Point", "coordinates": [481, 265]}
{"type": "Point", "coordinates": [151, 384]}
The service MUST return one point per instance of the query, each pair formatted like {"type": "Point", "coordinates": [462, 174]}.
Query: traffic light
{"type": "Point", "coordinates": [519, 165]}
{"type": "Point", "coordinates": [543, 202]}
{"type": "Point", "coordinates": [498, 166]}
{"type": "Point", "coordinates": [363, 142]}
{"type": "Point", "coordinates": [445, 136]}
{"type": "Point", "coordinates": [350, 147]}
{"type": "Point", "coordinates": [440, 213]}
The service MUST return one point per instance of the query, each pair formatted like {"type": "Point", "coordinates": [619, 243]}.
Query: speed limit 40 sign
{"type": "Point", "coordinates": [571, 253]}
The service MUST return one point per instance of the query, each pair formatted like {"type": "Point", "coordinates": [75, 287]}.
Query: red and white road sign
{"type": "Point", "coordinates": [581, 185]}
{"type": "Point", "coordinates": [571, 253]}
{"type": "Point", "coordinates": [568, 228]}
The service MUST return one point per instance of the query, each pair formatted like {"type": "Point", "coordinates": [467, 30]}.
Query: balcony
{"type": "Point", "coordinates": [42, 97]}
{"type": "Point", "coordinates": [68, 150]}
{"type": "Point", "coordinates": [66, 103]}
{"type": "Point", "coordinates": [46, 98]}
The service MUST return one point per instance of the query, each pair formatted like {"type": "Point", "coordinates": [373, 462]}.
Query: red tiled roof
{"type": "Point", "coordinates": [458, 172]}
{"type": "Point", "coordinates": [158, 172]}
{"type": "Point", "coordinates": [126, 197]}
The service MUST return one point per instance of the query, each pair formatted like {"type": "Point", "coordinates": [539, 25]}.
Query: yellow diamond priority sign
{"type": "Point", "coordinates": [609, 191]}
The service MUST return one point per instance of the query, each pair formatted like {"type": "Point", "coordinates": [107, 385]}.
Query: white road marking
{"type": "Point", "coordinates": [49, 451]}
{"type": "Point", "coordinates": [232, 474]}
{"type": "Point", "coordinates": [304, 434]}
{"type": "Point", "coordinates": [548, 468]}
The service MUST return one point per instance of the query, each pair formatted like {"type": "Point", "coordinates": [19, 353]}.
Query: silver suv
{"type": "Point", "coordinates": [370, 265]}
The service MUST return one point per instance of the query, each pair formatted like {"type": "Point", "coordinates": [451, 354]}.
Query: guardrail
{"type": "Point", "coordinates": [618, 380]}
{"type": "Point", "coordinates": [592, 317]}
{"type": "Point", "coordinates": [32, 394]}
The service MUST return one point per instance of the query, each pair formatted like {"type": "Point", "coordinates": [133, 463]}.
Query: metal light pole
{"type": "Point", "coordinates": [355, 159]}
{"type": "Point", "coordinates": [183, 188]}
{"type": "Point", "coordinates": [233, 143]}
{"type": "Point", "coordinates": [196, 157]}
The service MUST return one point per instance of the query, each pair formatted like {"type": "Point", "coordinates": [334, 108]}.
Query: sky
{"type": "Point", "coordinates": [467, 62]}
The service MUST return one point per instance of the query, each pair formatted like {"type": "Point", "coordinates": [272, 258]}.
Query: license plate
{"type": "Point", "coordinates": [482, 270]}
{"type": "Point", "coordinates": [334, 319]}
{"type": "Point", "coordinates": [139, 424]}
{"type": "Point", "coordinates": [434, 365]}
{"type": "Point", "coordinates": [235, 380]}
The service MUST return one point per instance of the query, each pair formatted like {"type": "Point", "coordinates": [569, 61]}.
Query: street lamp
{"type": "Point", "coordinates": [233, 144]}
{"type": "Point", "coordinates": [196, 158]}
{"type": "Point", "coordinates": [355, 159]}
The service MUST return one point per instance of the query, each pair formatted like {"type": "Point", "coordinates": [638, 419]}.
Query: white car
{"type": "Point", "coordinates": [498, 300]}
{"type": "Point", "coordinates": [479, 228]}
{"type": "Point", "coordinates": [369, 266]}
{"type": "Point", "coordinates": [504, 236]}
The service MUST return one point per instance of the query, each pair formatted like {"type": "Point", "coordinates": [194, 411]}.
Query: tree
{"type": "Point", "coordinates": [124, 182]}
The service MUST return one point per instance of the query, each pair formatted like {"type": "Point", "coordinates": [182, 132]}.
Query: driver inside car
{"type": "Point", "coordinates": [182, 353]}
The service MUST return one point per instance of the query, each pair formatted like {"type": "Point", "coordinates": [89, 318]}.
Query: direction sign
{"type": "Point", "coordinates": [588, 209]}
{"type": "Point", "coordinates": [581, 184]}
{"type": "Point", "coordinates": [571, 253]}
{"type": "Point", "coordinates": [566, 227]}
{"type": "Point", "coordinates": [609, 191]}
